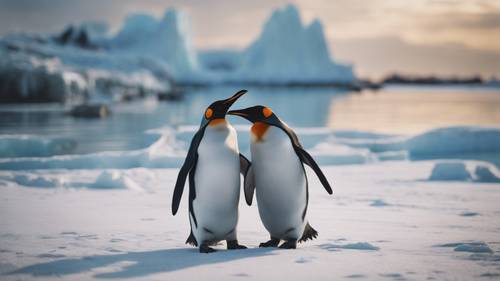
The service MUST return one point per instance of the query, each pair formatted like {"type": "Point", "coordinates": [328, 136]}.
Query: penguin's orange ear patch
{"type": "Point", "coordinates": [209, 113]}
{"type": "Point", "coordinates": [267, 112]}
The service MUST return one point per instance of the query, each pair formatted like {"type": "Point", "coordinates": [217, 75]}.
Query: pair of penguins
{"type": "Point", "coordinates": [213, 166]}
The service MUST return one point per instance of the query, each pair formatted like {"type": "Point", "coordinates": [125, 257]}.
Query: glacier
{"type": "Point", "coordinates": [84, 62]}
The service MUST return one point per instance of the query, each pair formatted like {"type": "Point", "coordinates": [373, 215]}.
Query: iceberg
{"type": "Point", "coordinates": [45, 71]}
{"type": "Point", "coordinates": [144, 57]}
{"type": "Point", "coordinates": [168, 39]}
{"type": "Point", "coordinates": [288, 52]}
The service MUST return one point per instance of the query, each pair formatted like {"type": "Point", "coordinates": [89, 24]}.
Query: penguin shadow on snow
{"type": "Point", "coordinates": [138, 263]}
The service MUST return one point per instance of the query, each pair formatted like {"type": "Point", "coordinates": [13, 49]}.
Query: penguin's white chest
{"type": "Point", "coordinates": [280, 183]}
{"type": "Point", "coordinates": [217, 181]}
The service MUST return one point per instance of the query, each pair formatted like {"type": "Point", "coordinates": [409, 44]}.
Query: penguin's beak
{"type": "Point", "coordinates": [229, 102]}
{"type": "Point", "coordinates": [242, 113]}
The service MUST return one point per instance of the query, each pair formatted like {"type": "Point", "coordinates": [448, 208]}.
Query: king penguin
{"type": "Point", "coordinates": [213, 164]}
{"type": "Point", "coordinates": [278, 177]}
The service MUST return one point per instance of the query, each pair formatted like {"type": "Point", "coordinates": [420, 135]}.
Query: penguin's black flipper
{"type": "Point", "coordinates": [249, 179]}
{"type": "Point", "coordinates": [249, 186]}
{"type": "Point", "coordinates": [189, 163]}
{"type": "Point", "coordinates": [304, 156]}
{"type": "Point", "coordinates": [244, 164]}
{"type": "Point", "coordinates": [307, 159]}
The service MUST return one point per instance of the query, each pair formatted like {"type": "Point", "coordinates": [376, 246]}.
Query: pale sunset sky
{"type": "Point", "coordinates": [444, 37]}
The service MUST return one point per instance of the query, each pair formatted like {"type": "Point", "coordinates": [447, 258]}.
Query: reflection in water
{"type": "Point", "coordinates": [124, 129]}
{"type": "Point", "coordinates": [407, 110]}
{"type": "Point", "coordinates": [414, 110]}
{"type": "Point", "coordinates": [298, 107]}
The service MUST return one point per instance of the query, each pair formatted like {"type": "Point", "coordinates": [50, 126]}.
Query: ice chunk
{"type": "Point", "coordinates": [114, 179]}
{"type": "Point", "coordinates": [32, 180]}
{"type": "Point", "coordinates": [486, 173]}
{"type": "Point", "coordinates": [34, 146]}
{"type": "Point", "coordinates": [450, 171]}
{"type": "Point", "coordinates": [453, 141]}
{"type": "Point", "coordinates": [328, 153]}
{"type": "Point", "coordinates": [166, 152]}
{"type": "Point", "coordinates": [471, 247]}
{"type": "Point", "coordinates": [465, 171]}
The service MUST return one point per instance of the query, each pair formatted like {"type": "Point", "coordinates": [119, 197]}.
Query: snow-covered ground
{"type": "Point", "coordinates": [107, 215]}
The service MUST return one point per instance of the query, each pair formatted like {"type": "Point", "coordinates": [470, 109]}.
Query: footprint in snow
{"type": "Point", "coordinates": [394, 276]}
{"type": "Point", "coordinates": [356, 276]}
{"type": "Point", "coordinates": [241, 275]}
{"type": "Point", "coordinates": [379, 203]}
{"type": "Point", "coordinates": [353, 246]}
{"type": "Point", "coordinates": [469, 214]}
{"type": "Point", "coordinates": [304, 259]}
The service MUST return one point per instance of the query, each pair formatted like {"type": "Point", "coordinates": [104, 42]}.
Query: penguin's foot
{"type": "Point", "coordinates": [271, 243]}
{"type": "Point", "coordinates": [205, 249]}
{"type": "Point", "coordinates": [289, 244]}
{"type": "Point", "coordinates": [233, 245]}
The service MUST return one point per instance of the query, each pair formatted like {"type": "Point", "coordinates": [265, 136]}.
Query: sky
{"type": "Point", "coordinates": [379, 37]}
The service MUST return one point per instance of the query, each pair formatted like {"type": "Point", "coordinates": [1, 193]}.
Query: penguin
{"type": "Point", "coordinates": [278, 177]}
{"type": "Point", "coordinates": [213, 164]}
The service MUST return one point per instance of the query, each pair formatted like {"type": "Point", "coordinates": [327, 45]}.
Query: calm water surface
{"type": "Point", "coordinates": [401, 110]}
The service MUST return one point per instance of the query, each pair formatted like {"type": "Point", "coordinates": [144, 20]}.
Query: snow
{"type": "Point", "coordinates": [73, 233]}
{"type": "Point", "coordinates": [287, 51]}
{"type": "Point", "coordinates": [107, 215]}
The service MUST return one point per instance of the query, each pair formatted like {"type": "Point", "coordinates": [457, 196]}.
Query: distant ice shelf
{"type": "Point", "coordinates": [149, 55]}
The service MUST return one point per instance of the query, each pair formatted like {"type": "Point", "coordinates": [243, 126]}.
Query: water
{"type": "Point", "coordinates": [392, 110]}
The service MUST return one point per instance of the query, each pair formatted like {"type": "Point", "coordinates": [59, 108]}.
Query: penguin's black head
{"type": "Point", "coordinates": [256, 113]}
{"type": "Point", "coordinates": [218, 109]}
{"type": "Point", "coordinates": [261, 116]}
